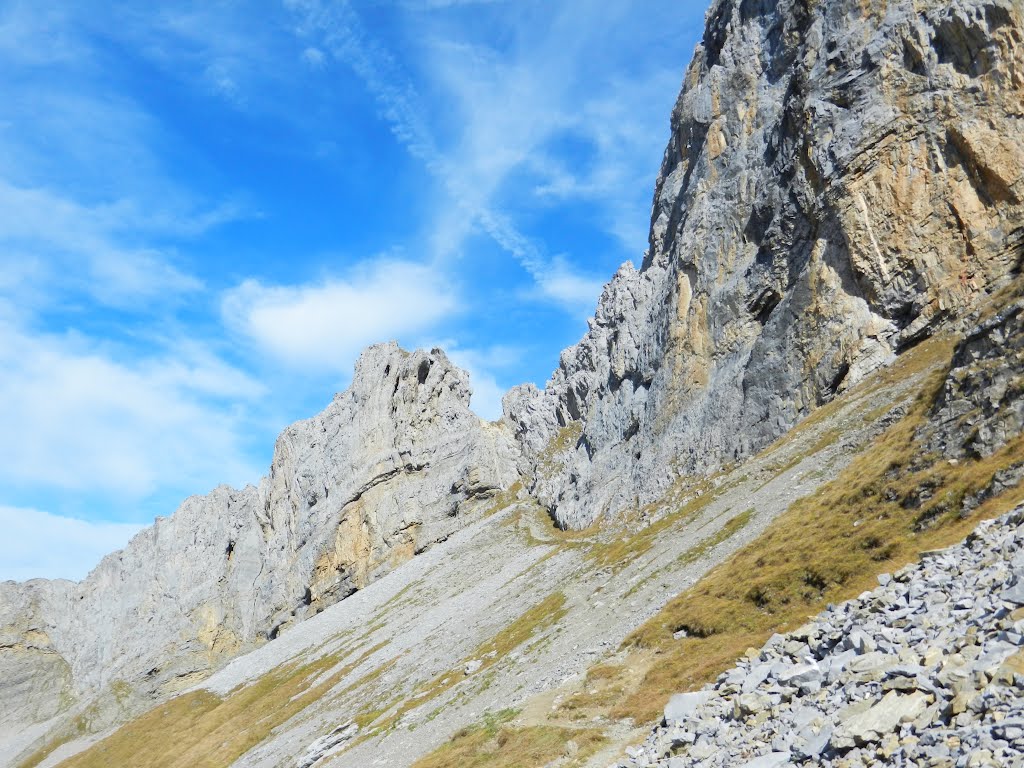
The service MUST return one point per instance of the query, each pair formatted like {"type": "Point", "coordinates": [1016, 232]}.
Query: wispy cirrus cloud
{"type": "Point", "coordinates": [558, 115]}
{"type": "Point", "coordinates": [562, 114]}
{"type": "Point", "coordinates": [87, 249]}
{"type": "Point", "coordinates": [90, 416]}
{"type": "Point", "coordinates": [625, 127]}
{"type": "Point", "coordinates": [472, 168]}
{"type": "Point", "coordinates": [85, 193]}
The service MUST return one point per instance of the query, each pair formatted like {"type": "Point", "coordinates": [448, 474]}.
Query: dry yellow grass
{"type": "Point", "coordinates": [202, 730]}
{"type": "Point", "coordinates": [890, 504]}
{"type": "Point", "coordinates": [495, 745]}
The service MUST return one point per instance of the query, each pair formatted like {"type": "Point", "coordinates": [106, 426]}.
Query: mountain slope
{"type": "Point", "coordinates": [925, 669]}
{"type": "Point", "coordinates": [531, 604]}
{"type": "Point", "coordinates": [393, 465]}
{"type": "Point", "coordinates": [843, 181]}
{"type": "Point", "coordinates": [573, 638]}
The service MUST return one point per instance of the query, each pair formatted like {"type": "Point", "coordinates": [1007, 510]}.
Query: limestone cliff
{"type": "Point", "coordinates": [842, 179]}
{"type": "Point", "coordinates": [392, 465]}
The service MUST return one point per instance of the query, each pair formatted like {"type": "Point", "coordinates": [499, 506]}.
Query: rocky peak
{"type": "Point", "coordinates": [842, 180]}
{"type": "Point", "coordinates": [394, 464]}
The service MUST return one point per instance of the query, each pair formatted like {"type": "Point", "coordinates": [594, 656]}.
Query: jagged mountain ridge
{"type": "Point", "coordinates": [842, 180]}
{"type": "Point", "coordinates": [511, 606]}
{"type": "Point", "coordinates": [394, 464]}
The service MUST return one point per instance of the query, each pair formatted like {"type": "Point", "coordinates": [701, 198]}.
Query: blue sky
{"type": "Point", "coordinates": [208, 209]}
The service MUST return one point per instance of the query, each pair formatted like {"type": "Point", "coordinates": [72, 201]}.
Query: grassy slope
{"type": "Point", "coordinates": [202, 730]}
{"type": "Point", "coordinates": [826, 548]}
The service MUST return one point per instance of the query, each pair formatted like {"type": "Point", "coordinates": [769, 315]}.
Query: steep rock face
{"type": "Point", "coordinates": [36, 680]}
{"type": "Point", "coordinates": [842, 179]}
{"type": "Point", "coordinates": [393, 465]}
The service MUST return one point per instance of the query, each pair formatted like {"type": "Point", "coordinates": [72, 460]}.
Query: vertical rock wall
{"type": "Point", "coordinates": [842, 179]}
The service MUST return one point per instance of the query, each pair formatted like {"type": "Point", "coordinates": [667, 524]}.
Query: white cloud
{"type": "Point", "coordinates": [83, 247]}
{"type": "Point", "coordinates": [69, 130]}
{"type": "Point", "coordinates": [79, 419]}
{"type": "Point", "coordinates": [84, 189]}
{"type": "Point", "coordinates": [40, 545]}
{"type": "Point", "coordinates": [496, 145]}
{"type": "Point", "coordinates": [626, 128]}
{"type": "Point", "coordinates": [228, 47]}
{"type": "Point", "coordinates": [314, 57]}
{"type": "Point", "coordinates": [470, 177]}
{"type": "Point", "coordinates": [220, 76]}
{"type": "Point", "coordinates": [559, 281]}
{"type": "Point", "coordinates": [325, 325]}
{"type": "Point", "coordinates": [555, 278]}
{"type": "Point", "coordinates": [487, 392]}
{"type": "Point", "coordinates": [520, 110]}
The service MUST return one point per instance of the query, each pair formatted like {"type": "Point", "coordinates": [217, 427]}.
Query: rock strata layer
{"type": "Point", "coordinates": [394, 464]}
{"type": "Point", "coordinates": [926, 670]}
{"type": "Point", "coordinates": [843, 179]}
